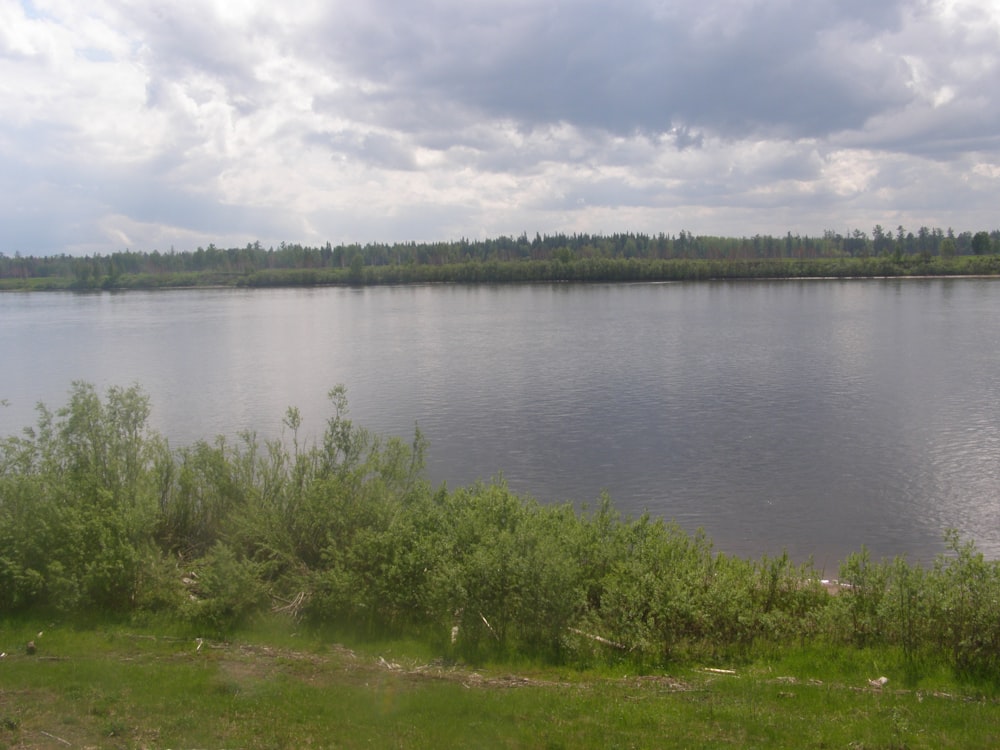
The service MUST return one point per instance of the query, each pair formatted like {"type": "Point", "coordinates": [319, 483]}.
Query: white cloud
{"type": "Point", "coordinates": [225, 122]}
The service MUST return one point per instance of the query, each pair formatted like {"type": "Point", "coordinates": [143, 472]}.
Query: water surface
{"type": "Point", "coordinates": [812, 416]}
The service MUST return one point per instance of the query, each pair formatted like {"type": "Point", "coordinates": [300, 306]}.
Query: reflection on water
{"type": "Point", "coordinates": [811, 416]}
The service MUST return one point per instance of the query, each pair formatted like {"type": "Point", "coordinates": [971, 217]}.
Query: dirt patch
{"type": "Point", "coordinates": [239, 663]}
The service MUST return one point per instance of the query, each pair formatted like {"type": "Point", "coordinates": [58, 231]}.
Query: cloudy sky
{"type": "Point", "coordinates": [131, 124]}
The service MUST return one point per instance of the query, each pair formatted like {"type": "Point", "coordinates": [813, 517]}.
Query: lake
{"type": "Point", "coordinates": [813, 416]}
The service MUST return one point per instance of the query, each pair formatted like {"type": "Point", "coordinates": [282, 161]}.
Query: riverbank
{"type": "Point", "coordinates": [580, 270]}
{"type": "Point", "coordinates": [120, 686]}
{"type": "Point", "coordinates": [105, 517]}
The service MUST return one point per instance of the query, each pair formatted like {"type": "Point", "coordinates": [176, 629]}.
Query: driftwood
{"type": "Point", "coordinates": [600, 639]}
{"type": "Point", "coordinates": [487, 622]}
{"type": "Point", "coordinates": [293, 607]}
{"type": "Point", "coordinates": [58, 739]}
{"type": "Point", "coordinates": [390, 665]}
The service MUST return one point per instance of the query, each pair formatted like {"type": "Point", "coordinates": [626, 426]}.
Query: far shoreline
{"type": "Point", "coordinates": [22, 287]}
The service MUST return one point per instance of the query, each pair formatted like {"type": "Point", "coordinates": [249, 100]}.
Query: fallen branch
{"type": "Point", "coordinates": [489, 626]}
{"type": "Point", "coordinates": [390, 665]}
{"type": "Point", "coordinates": [293, 607]}
{"type": "Point", "coordinates": [58, 739]}
{"type": "Point", "coordinates": [599, 639]}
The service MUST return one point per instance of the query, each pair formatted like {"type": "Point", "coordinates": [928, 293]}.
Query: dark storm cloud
{"type": "Point", "coordinates": [737, 69]}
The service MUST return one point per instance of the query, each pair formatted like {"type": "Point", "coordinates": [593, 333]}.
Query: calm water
{"type": "Point", "coordinates": [815, 416]}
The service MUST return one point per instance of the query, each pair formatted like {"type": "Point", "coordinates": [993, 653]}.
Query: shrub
{"type": "Point", "coordinates": [97, 514]}
{"type": "Point", "coordinates": [225, 593]}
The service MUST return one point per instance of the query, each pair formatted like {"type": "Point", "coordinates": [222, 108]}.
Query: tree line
{"type": "Point", "coordinates": [99, 514]}
{"type": "Point", "coordinates": [561, 257]}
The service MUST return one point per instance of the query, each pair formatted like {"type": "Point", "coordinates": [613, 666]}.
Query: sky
{"type": "Point", "coordinates": [151, 126]}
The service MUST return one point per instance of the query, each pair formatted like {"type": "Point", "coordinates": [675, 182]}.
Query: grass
{"type": "Point", "coordinates": [118, 687]}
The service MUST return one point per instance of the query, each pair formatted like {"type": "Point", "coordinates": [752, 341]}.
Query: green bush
{"type": "Point", "coordinates": [78, 503]}
{"type": "Point", "coordinates": [96, 513]}
{"type": "Point", "coordinates": [224, 591]}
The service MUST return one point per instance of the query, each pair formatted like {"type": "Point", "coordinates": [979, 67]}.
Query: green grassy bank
{"type": "Point", "coordinates": [114, 686]}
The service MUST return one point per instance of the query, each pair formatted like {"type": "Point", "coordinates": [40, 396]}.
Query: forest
{"type": "Point", "coordinates": [100, 515]}
{"type": "Point", "coordinates": [544, 258]}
